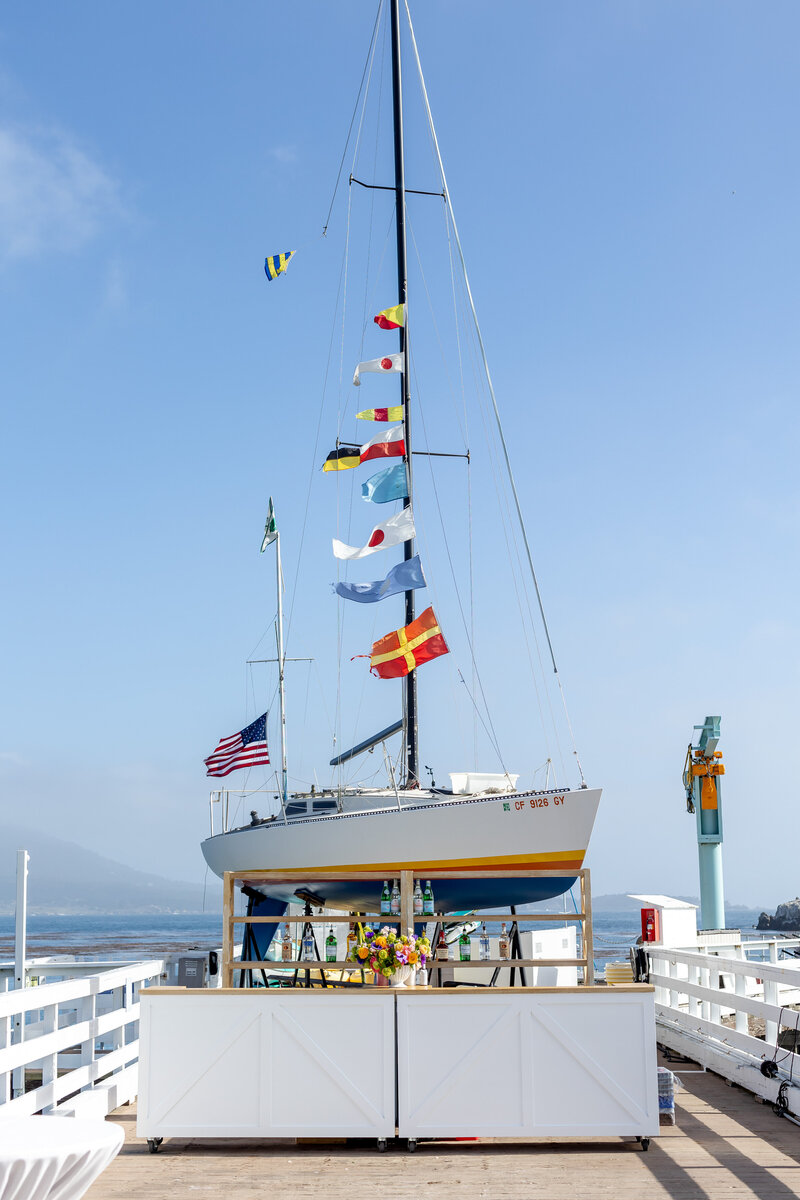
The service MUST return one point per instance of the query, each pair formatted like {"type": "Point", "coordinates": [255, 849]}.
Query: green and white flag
{"type": "Point", "coordinates": [270, 529]}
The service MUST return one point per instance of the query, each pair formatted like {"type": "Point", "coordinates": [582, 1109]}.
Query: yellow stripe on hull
{"type": "Point", "coordinates": [568, 860]}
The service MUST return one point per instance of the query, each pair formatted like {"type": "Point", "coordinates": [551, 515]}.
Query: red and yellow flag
{"type": "Point", "coordinates": [391, 318]}
{"type": "Point", "coordinates": [404, 649]}
{"type": "Point", "coordinates": [395, 413]}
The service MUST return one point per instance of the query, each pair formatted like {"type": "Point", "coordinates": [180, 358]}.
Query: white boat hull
{"type": "Point", "coordinates": [535, 830]}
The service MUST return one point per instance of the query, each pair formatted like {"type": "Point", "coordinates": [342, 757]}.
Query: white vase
{"type": "Point", "coordinates": [401, 977]}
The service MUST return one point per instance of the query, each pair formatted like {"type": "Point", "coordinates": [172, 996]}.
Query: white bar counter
{"type": "Point", "coordinates": [420, 1062]}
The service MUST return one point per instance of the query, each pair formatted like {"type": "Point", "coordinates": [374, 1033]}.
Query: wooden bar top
{"type": "Point", "coordinates": [333, 989]}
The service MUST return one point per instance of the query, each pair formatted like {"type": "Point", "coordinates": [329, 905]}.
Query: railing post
{"type": "Point", "coordinates": [740, 1016]}
{"type": "Point", "coordinates": [673, 993]}
{"type": "Point", "coordinates": [771, 996]}
{"type": "Point", "coordinates": [705, 981]}
{"type": "Point", "coordinates": [694, 1001]}
{"type": "Point", "coordinates": [88, 1010]}
{"type": "Point", "coordinates": [50, 1062]}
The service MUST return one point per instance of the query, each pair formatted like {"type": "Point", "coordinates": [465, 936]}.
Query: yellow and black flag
{"type": "Point", "coordinates": [343, 458]}
{"type": "Point", "coordinates": [276, 264]}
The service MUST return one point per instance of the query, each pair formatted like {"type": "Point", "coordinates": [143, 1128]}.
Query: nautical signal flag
{"type": "Point", "coordinates": [389, 443]}
{"type": "Point", "coordinates": [248, 748]}
{"type": "Point", "coordinates": [343, 458]}
{"type": "Point", "coordinates": [386, 485]}
{"type": "Point", "coordinates": [391, 318]}
{"type": "Point", "coordinates": [389, 364]}
{"type": "Point", "coordinates": [276, 264]}
{"type": "Point", "coordinates": [403, 577]}
{"type": "Point", "coordinates": [381, 414]}
{"type": "Point", "coordinates": [399, 528]}
{"type": "Point", "coordinates": [270, 529]}
{"type": "Point", "coordinates": [402, 651]}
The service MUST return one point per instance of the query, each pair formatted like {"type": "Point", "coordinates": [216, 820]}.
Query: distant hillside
{"type": "Point", "coordinates": [65, 878]}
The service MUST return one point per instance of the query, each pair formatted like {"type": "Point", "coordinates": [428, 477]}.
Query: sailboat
{"type": "Point", "coordinates": [483, 821]}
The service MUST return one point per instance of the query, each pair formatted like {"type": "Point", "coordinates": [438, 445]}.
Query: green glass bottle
{"type": "Point", "coordinates": [330, 947]}
{"type": "Point", "coordinates": [464, 947]}
{"type": "Point", "coordinates": [427, 900]}
{"type": "Point", "coordinates": [386, 899]}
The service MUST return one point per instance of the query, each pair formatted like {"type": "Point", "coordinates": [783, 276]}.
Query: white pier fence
{"type": "Point", "coordinates": [694, 991]}
{"type": "Point", "coordinates": [81, 1035]}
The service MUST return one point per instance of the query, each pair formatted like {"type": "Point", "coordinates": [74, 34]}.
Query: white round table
{"type": "Point", "coordinates": [54, 1158]}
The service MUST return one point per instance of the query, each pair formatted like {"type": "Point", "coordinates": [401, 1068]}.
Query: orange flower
{"type": "Point", "coordinates": [412, 957]}
{"type": "Point", "coordinates": [363, 951]}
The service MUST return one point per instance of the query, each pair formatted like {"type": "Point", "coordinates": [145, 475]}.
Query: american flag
{"type": "Point", "coordinates": [248, 748]}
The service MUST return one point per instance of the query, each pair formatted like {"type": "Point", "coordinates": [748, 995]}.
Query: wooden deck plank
{"type": "Point", "coordinates": [724, 1147]}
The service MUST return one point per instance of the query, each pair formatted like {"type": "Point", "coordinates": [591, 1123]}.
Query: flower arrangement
{"type": "Point", "coordinates": [385, 952]}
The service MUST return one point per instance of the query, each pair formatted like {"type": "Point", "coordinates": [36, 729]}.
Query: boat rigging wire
{"type": "Point", "coordinates": [367, 67]}
{"type": "Point", "coordinates": [484, 358]}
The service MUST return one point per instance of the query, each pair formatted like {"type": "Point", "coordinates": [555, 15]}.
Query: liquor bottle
{"type": "Point", "coordinates": [352, 940]}
{"type": "Point", "coordinates": [287, 950]}
{"type": "Point", "coordinates": [427, 900]}
{"type": "Point", "coordinates": [386, 899]}
{"type": "Point", "coordinates": [505, 945]}
{"type": "Point", "coordinates": [464, 947]}
{"type": "Point", "coordinates": [309, 953]}
{"type": "Point", "coordinates": [395, 900]}
{"type": "Point", "coordinates": [331, 947]}
{"type": "Point", "coordinates": [484, 944]}
{"type": "Point", "coordinates": [442, 949]}
{"type": "Point", "coordinates": [417, 899]}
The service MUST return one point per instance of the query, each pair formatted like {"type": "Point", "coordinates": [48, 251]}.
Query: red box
{"type": "Point", "coordinates": [651, 925]}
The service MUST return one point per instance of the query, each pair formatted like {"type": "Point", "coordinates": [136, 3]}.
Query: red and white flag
{"type": "Point", "coordinates": [387, 444]}
{"type": "Point", "coordinates": [388, 365]}
{"type": "Point", "coordinates": [399, 528]}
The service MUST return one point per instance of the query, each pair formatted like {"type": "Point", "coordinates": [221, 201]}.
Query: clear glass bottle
{"type": "Point", "coordinates": [442, 949]}
{"type": "Point", "coordinates": [386, 899]}
{"type": "Point", "coordinates": [484, 944]}
{"type": "Point", "coordinates": [309, 953]}
{"type": "Point", "coordinates": [464, 947]}
{"type": "Point", "coordinates": [505, 945]}
{"type": "Point", "coordinates": [427, 900]}
{"type": "Point", "coordinates": [287, 949]}
{"type": "Point", "coordinates": [417, 899]}
{"type": "Point", "coordinates": [395, 901]}
{"type": "Point", "coordinates": [331, 947]}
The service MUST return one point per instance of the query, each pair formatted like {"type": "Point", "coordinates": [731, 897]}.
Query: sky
{"type": "Point", "coordinates": [626, 185]}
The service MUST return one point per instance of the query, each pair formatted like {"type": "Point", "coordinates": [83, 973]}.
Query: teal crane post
{"type": "Point", "coordinates": [701, 778]}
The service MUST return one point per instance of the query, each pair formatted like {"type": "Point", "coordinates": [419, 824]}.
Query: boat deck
{"type": "Point", "coordinates": [724, 1145]}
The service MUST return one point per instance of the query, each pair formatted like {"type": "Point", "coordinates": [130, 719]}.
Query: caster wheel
{"type": "Point", "coordinates": [644, 1142]}
{"type": "Point", "coordinates": [381, 1145]}
{"type": "Point", "coordinates": [153, 1144]}
{"type": "Point", "coordinates": [411, 1145]}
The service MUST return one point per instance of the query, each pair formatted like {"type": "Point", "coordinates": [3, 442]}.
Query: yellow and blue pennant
{"type": "Point", "coordinates": [276, 264]}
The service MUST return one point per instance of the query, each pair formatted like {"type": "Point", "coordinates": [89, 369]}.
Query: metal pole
{"type": "Point", "coordinates": [281, 668]}
{"type": "Point", "coordinates": [20, 961]}
{"type": "Point", "coordinates": [412, 752]}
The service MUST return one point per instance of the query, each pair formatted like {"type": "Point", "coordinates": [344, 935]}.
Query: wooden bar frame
{"type": "Point", "coordinates": [406, 918]}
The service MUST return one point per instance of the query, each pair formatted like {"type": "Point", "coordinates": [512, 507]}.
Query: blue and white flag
{"type": "Point", "coordinates": [402, 578]}
{"type": "Point", "coordinates": [389, 484]}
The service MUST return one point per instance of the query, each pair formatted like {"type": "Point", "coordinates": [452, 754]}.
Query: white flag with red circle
{"type": "Point", "coordinates": [399, 528]}
{"type": "Point", "coordinates": [390, 364]}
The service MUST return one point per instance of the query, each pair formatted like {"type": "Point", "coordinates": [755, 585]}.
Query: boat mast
{"type": "Point", "coordinates": [412, 753]}
{"type": "Point", "coordinates": [281, 668]}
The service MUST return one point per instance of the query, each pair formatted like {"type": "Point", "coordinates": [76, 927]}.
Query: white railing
{"type": "Point", "coordinates": [80, 1035]}
{"type": "Point", "coordinates": [695, 991]}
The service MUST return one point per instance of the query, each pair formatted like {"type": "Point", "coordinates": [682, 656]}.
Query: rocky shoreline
{"type": "Point", "coordinates": [786, 919]}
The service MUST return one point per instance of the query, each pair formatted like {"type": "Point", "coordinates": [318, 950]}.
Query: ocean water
{"type": "Point", "coordinates": [114, 937]}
